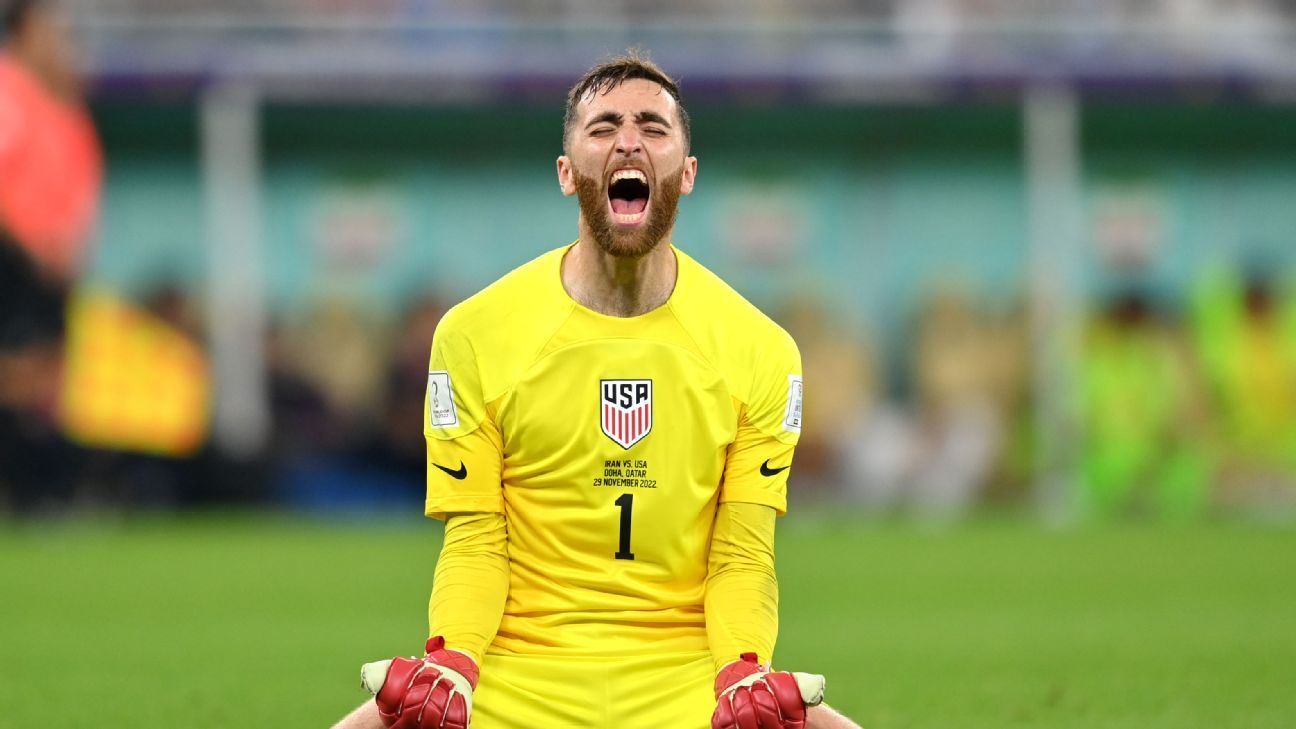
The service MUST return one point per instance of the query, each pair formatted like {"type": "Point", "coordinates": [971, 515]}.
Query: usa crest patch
{"type": "Point", "coordinates": [626, 407]}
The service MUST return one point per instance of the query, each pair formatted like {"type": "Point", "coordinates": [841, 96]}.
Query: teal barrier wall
{"type": "Point", "coordinates": [861, 208]}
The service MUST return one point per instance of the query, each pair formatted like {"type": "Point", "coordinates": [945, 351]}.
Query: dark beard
{"type": "Point", "coordinates": [663, 207]}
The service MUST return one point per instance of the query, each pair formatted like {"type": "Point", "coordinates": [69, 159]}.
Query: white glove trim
{"type": "Point", "coordinates": [374, 675]}
{"type": "Point", "coordinates": [812, 687]}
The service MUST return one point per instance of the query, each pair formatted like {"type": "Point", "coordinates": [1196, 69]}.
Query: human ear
{"type": "Point", "coordinates": [566, 176]}
{"type": "Point", "coordinates": [689, 175]}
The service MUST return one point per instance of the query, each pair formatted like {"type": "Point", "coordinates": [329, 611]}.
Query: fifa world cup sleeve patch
{"type": "Point", "coordinates": [792, 415]}
{"type": "Point", "coordinates": [441, 405]}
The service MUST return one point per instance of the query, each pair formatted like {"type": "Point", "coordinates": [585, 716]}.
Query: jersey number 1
{"type": "Point", "coordinates": [626, 502]}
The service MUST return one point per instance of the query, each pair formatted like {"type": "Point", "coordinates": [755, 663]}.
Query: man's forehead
{"type": "Point", "coordinates": [628, 97]}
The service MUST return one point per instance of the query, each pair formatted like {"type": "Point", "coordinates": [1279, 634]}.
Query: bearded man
{"type": "Point", "coordinates": [609, 431]}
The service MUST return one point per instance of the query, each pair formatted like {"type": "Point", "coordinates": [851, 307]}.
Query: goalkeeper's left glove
{"type": "Point", "coordinates": [432, 693]}
{"type": "Point", "coordinates": [749, 695]}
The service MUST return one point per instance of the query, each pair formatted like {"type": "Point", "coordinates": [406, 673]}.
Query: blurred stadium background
{"type": "Point", "coordinates": [1039, 257]}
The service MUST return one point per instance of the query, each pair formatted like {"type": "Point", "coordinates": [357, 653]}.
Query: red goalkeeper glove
{"type": "Point", "coordinates": [432, 693]}
{"type": "Point", "coordinates": [750, 696]}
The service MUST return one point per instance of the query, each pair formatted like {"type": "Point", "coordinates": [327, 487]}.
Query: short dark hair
{"type": "Point", "coordinates": [633, 64]}
{"type": "Point", "coordinates": [13, 13]}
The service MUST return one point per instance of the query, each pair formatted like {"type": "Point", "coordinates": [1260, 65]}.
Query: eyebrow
{"type": "Point", "coordinates": [652, 116]}
{"type": "Point", "coordinates": [613, 117]}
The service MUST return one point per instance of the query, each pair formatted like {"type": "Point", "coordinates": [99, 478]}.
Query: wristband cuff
{"type": "Point", "coordinates": [456, 660]}
{"type": "Point", "coordinates": [746, 665]}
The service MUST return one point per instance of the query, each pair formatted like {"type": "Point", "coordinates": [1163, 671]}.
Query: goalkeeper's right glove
{"type": "Point", "coordinates": [749, 695]}
{"type": "Point", "coordinates": [432, 693]}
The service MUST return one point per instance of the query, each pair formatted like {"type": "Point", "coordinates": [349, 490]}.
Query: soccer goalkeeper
{"type": "Point", "coordinates": [609, 432]}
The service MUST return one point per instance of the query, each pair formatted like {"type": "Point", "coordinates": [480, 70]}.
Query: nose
{"type": "Point", "coordinates": [629, 143]}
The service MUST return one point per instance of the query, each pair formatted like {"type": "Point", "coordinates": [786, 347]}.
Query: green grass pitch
{"type": "Point", "coordinates": [263, 621]}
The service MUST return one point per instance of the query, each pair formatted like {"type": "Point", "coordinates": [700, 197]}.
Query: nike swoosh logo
{"type": "Point", "coordinates": [767, 471]}
{"type": "Point", "coordinates": [462, 473]}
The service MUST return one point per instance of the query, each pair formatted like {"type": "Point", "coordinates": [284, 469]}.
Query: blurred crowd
{"type": "Point", "coordinates": [1180, 407]}
{"type": "Point", "coordinates": [940, 32]}
{"type": "Point", "coordinates": [345, 393]}
{"type": "Point", "coordinates": [920, 30]}
{"type": "Point", "coordinates": [927, 13]}
{"type": "Point", "coordinates": [1177, 405]}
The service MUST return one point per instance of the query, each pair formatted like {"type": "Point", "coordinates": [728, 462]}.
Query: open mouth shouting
{"type": "Point", "coordinates": [628, 197]}
{"type": "Point", "coordinates": [625, 215]}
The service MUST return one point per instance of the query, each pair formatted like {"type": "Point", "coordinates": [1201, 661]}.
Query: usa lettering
{"type": "Point", "coordinates": [625, 395]}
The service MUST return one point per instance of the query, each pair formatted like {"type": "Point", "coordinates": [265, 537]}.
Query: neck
{"type": "Point", "coordinates": [618, 286]}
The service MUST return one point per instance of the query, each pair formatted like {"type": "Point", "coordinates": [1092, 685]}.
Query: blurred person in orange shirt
{"type": "Point", "coordinates": [51, 172]}
{"type": "Point", "coordinates": [50, 157]}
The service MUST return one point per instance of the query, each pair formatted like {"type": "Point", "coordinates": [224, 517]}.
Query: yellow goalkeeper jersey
{"type": "Point", "coordinates": [607, 444]}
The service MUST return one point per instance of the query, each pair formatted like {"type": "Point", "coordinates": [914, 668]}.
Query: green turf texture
{"type": "Point", "coordinates": [263, 621]}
